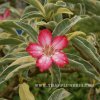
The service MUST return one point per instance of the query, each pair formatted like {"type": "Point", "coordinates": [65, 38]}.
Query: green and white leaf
{"type": "Point", "coordinates": [59, 94]}
{"type": "Point", "coordinates": [64, 26]}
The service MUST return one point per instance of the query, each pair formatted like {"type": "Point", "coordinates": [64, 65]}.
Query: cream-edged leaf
{"type": "Point", "coordinates": [25, 93]}
{"type": "Point", "coordinates": [64, 10]}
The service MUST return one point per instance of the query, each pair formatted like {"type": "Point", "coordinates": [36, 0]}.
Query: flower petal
{"type": "Point", "coordinates": [1, 17]}
{"type": "Point", "coordinates": [45, 37]}
{"type": "Point", "coordinates": [44, 63]}
{"type": "Point", "coordinates": [60, 42]}
{"type": "Point", "coordinates": [60, 59]}
{"type": "Point", "coordinates": [35, 50]}
{"type": "Point", "coordinates": [6, 13]}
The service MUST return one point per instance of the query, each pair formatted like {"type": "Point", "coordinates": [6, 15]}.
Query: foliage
{"type": "Point", "coordinates": [79, 20]}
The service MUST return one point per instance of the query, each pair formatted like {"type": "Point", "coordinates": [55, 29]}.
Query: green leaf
{"type": "Point", "coordinates": [58, 18]}
{"type": "Point", "coordinates": [27, 28]}
{"type": "Point", "coordinates": [49, 9]}
{"type": "Point", "coordinates": [52, 1]}
{"type": "Point", "coordinates": [59, 94]}
{"type": "Point", "coordinates": [86, 52]}
{"type": "Point", "coordinates": [29, 8]}
{"type": "Point", "coordinates": [19, 54]}
{"type": "Point", "coordinates": [16, 70]}
{"type": "Point", "coordinates": [6, 61]}
{"type": "Point", "coordinates": [14, 12]}
{"type": "Point", "coordinates": [50, 25]}
{"type": "Point", "coordinates": [61, 3]}
{"type": "Point", "coordinates": [64, 26]}
{"type": "Point", "coordinates": [10, 41]}
{"type": "Point", "coordinates": [86, 64]}
{"type": "Point", "coordinates": [82, 68]}
{"type": "Point", "coordinates": [64, 10]}
{"type": "Point", "coordinates": [22, 60]}
{"type": "Point", "coordinates": [7, 26]}
{"type": "Point", "coordinates": [75, 34]}
{"type": "Point", "coordinates": [32, 14]}
{"type": "Point", "coordinates": [92, 7]}
{"type": "Point", "coordinates": [4, 5]}
{"type": "Point", "coordinates": [15, 67]}
{"type": "Point", "coordinates": [88, 24]}
{"type": "Point", "coordinates": [11, 57]}
{"type": "Point", "coordinates": [37, 4]}
{"type": "Point", "coordinates": [90, 46]}
{"type": "Point", "coordinates": [25, 93]}
{"type": "Point", "coordinates": [19, 61]}
{"type": "Point", "coordinates": [13, 24]}
{"type": "Point", "coordinates": [60, 28]}
{"type": "Point", "coordinates": [55, 75]}
{"type": "Point", "coordinates": [3, 34]}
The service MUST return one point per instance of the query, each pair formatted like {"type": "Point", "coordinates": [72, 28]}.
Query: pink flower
{"type": "Point", "coordinates": [48, 50]}
{"type": "Point", "coordinates": [5, 15]}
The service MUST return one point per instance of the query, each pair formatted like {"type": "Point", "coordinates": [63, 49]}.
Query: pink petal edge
{"type": "Point", "coordinates": [35, 50]}
{"type": "Point", "coordinates": [1, 17]}
{"type": "Point", "coordinates": [60, 42]}
{"type": "Point", "coordinates": [45, 37]}
{"type": "Point", "coordinates": [60, 59]}
{"type": "Point", "coordinates": [44, 63]}
{"type": "Point", "coordinates": [6, 13]}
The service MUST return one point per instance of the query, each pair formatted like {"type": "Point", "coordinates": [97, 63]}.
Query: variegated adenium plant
{"type": "Point", "coordinates": [53, 38]}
